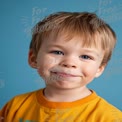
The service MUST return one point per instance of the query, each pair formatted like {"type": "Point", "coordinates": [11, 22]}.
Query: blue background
{"type": "Point", "coordinates": [17, 17]}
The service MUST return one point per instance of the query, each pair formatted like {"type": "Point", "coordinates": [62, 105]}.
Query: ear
{"type": "Point", "coordinates": [100, 70]}
{"type": "Point", "coordinates": [32, 59]}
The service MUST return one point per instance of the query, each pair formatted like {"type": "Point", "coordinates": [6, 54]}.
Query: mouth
{"type": "Point", "coordinates": [63, 74]}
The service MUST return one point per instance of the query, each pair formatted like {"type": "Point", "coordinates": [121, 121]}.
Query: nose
{"type": "Point", "coordinates": [68, 63]}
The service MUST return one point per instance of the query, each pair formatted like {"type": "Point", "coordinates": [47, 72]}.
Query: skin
{"type": "Point", "coordinates": [67, 67]}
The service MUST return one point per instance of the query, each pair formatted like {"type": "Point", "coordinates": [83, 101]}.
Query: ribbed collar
{"type": "Point", "coordinates": [50, 104]}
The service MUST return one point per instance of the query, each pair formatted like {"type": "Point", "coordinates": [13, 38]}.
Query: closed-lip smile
{"type": "Point", "coordinates": [65, 74]}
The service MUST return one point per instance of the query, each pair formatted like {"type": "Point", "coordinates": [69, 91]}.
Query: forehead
{"type": "Point", "coordinates": [81, 40]}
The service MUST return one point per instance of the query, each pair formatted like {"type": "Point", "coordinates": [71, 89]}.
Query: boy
{"type": "Point", "coordinates": [69, 50]}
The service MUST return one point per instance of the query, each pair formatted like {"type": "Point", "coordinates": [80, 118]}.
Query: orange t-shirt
{"type": "Point", "coordinates": [34, 107]}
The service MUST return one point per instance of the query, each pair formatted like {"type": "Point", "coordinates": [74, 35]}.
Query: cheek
{"type": "Point", "coordinates": [49, 62]}
{"type": "Point", "coordinates": [44, 64]}
{"type": "Point", "coordinates": [90, 70]}
{"type": "Point", "coordinates": [45, 61]}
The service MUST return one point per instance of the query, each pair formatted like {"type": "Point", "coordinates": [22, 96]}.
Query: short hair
{"type": "Point", "coordinates": [93, 31]}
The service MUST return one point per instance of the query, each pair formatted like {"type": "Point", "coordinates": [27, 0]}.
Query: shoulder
{"type": "Point", "coordinates": [104, 104]}
{"type": "Point", "coordinates": [16, 102]}
{"type": "Point", "coordinates": [107, 110]}
{"type": "Point", "coordinates": [19, 99]}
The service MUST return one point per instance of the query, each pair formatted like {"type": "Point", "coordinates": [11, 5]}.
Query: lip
{"type": "Point", "coordinates": [65, 74]}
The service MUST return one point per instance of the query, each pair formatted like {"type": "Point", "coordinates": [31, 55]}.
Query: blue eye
{"type": "Point", "coordinates": [85, 57]}
{"type": "Point", "coordinates": [57, 52]}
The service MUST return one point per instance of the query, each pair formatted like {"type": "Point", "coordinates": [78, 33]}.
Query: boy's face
{"type": "Point", "coordinates": [67, 64]}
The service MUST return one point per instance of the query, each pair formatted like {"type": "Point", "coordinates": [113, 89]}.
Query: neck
{"type": "Point", "coordinates": [65, 95]}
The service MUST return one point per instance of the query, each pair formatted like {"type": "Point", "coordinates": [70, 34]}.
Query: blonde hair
{"type": "Point", "coordinates": [93, 31]}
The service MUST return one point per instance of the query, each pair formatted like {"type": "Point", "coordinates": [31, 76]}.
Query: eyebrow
{"type": "Point", "coordinates": [58, 46]}
{"type": "Point", "coordinates": [90, 51]}
{"type": "Point", "coordinates": [84, 49]}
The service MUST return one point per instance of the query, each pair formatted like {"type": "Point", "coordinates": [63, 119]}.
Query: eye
{"type": "Point", "coordinates": [86, 57]}
{"type": "Point", "coordinates": [57, 52]}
